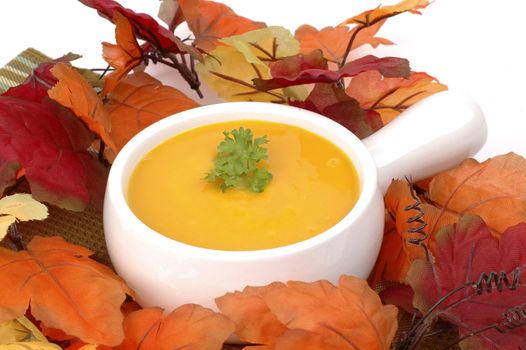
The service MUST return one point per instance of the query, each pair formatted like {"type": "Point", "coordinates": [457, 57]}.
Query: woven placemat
{"type": "Point", "coordinates": [86, 229]}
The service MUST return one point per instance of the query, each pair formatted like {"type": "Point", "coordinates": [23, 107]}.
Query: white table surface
{"type": "Point", "coordinates": [474, 46]}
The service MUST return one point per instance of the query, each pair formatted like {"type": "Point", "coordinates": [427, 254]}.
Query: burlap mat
{"type": "Point", "coordinates": [85, 228]}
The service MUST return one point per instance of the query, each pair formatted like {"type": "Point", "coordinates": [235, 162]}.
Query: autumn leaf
{"type": "Point", "coordinates": [145, 27]}
{"type": "Point", "coordinates": [64, 288]}
{"type": "Point", "coordinates": [391, 96]}
{"type": "Point", "coordinates": [74, 92]}
{"type": "Point", "coordinates": [333, 41]}
{"type": "Point", "coordinates": [495, 190]}
{"type": "Point", "coordinates": [397, 251]}
{"type": "Point", "coordinates": [124, 56]}
{"type": "Point", "coordinates": [19, 207]}
{"type": "Point", "coordinates": [372, 17]}
{"type": "Point", "coordinates": [348, 316]}
{"type": "Point", "coordinates": [332, 101]}
{"type": "Point", "coordinates": [231, 67]}
{"type": "Point", "coordinates": [210, 21]}
{"type": "Point", "coordinates": [387, 66]}
{"type": "Point", "coordinates": [464, 253]}
{"type": "Point", "coordinates": [34, 345]}
{"type": "Point", "coordinates": [50, 144]}
{"type": "Point", "coordinates": [8, 171]}
{"type": "Point", "coordinates": [190, 326]}
{"type": "Point", "coordinates": [137, 102]}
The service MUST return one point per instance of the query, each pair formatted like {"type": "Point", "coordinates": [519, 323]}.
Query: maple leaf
{"type": "Point", "coordinates": [19, 207]}
{"type": "Point", "coordinates": [145, 27]}
{"type": "Point", "coordinates": [333, 41]}
{"type": "Point", "coordinates": [74, 92]}
{"type": "Point", "coordinates": [391, 96]}
{"type": "Point", "coordinates": [348, 316]}
{"type": "Point", "coordinates": [50, 144]}
{"type": "Point", "coordinates": [210, 21]}
{"type": "Point", "coordinates": [332, 101]}
{"type": "Point", "coordinates": [124, 56]}
{"type": "Point", "coordinates": [190, 326]}
{"type": "Point", "coordinates": [463, 253]}
{"type": "Point", "coordinates": [371, 17]}
{"type": "Point", "coordinates": [137, 102]}
{"type": "Point", "coordinates": [231, 67]}
{"type": "Point", "coordinates": [64, 288]}
{"type": "Point", "coordinates": [494, 190]}
{"type": "Point", "coordinates": [387, 66]}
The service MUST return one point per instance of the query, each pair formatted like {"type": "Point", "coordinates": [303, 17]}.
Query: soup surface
{"type": "Point", "coordinates": [314, 186]}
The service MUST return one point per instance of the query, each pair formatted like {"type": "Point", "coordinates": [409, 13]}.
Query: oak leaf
{"type": "Point", "coordinates": [50, 144]}
{"type": "Point", "coordinates": [210, 21]}
{"type": "Point", "coordinates": [137, 102]}
{"type": "Point", "coordinates": [74, 92]}
{"type": "Point", "coordinates": [19, 207]}
{"type": "Point", "coordinates": [391, 96]}
{"type": "Point", "coordinates": [190, 326]}
{"type": "Point", "coordinates": [387, 66]}
{"type": "Point", "coordinates": [348, 316]}
{"type": "Point", "coordinates": [231, 67]}
{"type": "Point", "coordinates": [64, 288]}
{"type": "Point", "coordinates": [380, 13]}
{"type": "Point", "coordinates": [463, 254]}
{"type": "Point", "coordinates": [124, 56]}
{"type": "Point", "coordinates": [333, 41]}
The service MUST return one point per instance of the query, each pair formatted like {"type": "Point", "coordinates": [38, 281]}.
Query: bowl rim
{"type": "Point", "coordinates": [221, 112]}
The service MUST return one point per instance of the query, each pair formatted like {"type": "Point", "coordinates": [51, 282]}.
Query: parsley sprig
{"type": "Point", "coordinates": [235, 165]}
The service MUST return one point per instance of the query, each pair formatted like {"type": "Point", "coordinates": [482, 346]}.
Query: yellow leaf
{"type": "Point", "coordinates": [230, 68]}
{"type": "Point", "coordinates": [12, 331]}
{"type": "Point", "coordinates": [22, 207]}
{"type": "Point", "coordinates": [34, 345]}
{"type": "Point", "coordinates": [373, 16]}
{"type": "Point", "coordinates": [35, 332]}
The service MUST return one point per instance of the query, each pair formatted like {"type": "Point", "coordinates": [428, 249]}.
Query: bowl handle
{"type": "Point", "coordinates": [433, 135]}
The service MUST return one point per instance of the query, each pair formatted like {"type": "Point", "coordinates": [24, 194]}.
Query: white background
{"type": "Point", "coordinates": [473, 46]}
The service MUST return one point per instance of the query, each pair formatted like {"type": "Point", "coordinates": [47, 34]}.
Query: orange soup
{"type": "Point", "coordinates": [314, 186]}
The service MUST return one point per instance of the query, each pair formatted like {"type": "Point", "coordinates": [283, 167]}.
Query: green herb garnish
{"type": "Point", "coordinates": [235, 165]}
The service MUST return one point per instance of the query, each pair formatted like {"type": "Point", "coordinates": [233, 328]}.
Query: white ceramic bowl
{"type": "Point", "coordinates": [168, 273]}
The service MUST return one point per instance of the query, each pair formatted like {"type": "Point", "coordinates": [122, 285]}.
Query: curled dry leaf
{"type": "Point", "coordinates": [300, 315]}
{"type": "Point", "coordinates": [391, 96]}
{"type": "Point", "coordinates": [64, 288]}
{"type": "Point", "coordinates": [124, 56]}
{"type": "Point", "coordinates": [463, 253]}
{"type": "Point", "coordinates": [19, 207]}
{"type": "Point", "coordinates": [210, 21]}
{"type": "Point", "coordinates": [190, 326]}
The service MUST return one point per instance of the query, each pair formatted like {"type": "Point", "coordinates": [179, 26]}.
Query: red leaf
{"type": "Point", "coordinates": [51, 145]}
{"type": "Point", "coordinates": [463, 253]}
{"type": "Point", "coordinates": [333, 102]}
{"type": "Point", "coordinates": [145, 26]}
{"type": "Point", "coordinates": [388, 66]}
{"type": "Point", "coordinates": [399, 295]}
{"type": "Point", "coordinates": [210, 21]}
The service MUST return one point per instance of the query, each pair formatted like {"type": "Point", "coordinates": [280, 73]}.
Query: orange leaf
{"type": "Point", "coordinates": [397, 252]}
{"type": "Point", "coordinates": [191, 327]}
{"type": "Point", "coordinates": [138, 101]}
{"type": "Point", "coordinates": [64, 289]}
{"type": "Point", "coordinates": [349, 316]}
{"type": "Point", "coordinates": [124, 56]}
{"type": "Point", "coordinates": [494, 190]}
{"type": "Point", "coordinates": [390, 96]}
{"type": "Point", "coordinates": [373, 16]}
{"type": "Point", "coordinates": [210, 21]}
{"type": "Point", "coordinates": [74, 92]}
{"type": "Point", "coordinates": [334, 40]}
